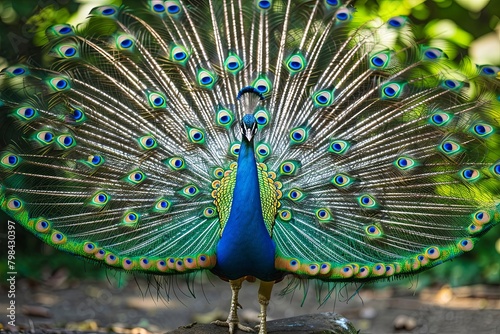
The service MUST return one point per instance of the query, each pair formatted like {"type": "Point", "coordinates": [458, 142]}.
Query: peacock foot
{"type": "Point", "coordinates": [262, 328]}
{"type": "Point", "coordinates": [233, 325]}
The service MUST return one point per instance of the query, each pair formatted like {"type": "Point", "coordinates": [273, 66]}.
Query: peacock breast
{"type": "Point", "coordinates": [269, 189]}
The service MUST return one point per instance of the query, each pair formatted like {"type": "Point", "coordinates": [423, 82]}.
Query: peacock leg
{"type": "Point", "coordinates": [232, 320]}
{"type": "Point", "coordinates": [265, 289]}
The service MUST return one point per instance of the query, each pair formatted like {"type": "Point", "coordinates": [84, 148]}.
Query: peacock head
{"type": "Point", "coordinates": [248, 126]}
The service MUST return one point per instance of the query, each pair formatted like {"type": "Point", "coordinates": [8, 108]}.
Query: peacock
{"type": "Point", "coordinates": [252, 139]}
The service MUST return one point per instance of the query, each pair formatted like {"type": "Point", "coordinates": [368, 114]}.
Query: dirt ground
{"type": "Point", "coordinates": [136, 306]}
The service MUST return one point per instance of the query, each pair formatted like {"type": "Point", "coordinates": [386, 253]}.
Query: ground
{"type": "Point", "coordinates": [135, 307]}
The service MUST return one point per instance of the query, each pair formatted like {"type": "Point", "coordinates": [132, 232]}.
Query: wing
{"type": "Point", "coordinates": [387, 151]}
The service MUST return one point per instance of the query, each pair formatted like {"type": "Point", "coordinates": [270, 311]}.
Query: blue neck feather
{"type": "Point", "coordinates": [245, 247]}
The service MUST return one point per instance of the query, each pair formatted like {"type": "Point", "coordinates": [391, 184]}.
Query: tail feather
{"type": "Point", "coordinates": [382, 151]}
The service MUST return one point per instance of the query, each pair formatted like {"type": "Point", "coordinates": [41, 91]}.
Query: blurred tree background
{"type": "Point", "coordinates": [462, 27]}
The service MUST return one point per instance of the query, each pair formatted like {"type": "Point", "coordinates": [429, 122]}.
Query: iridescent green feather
{"type": "Point", "coordinates": [377, 157]}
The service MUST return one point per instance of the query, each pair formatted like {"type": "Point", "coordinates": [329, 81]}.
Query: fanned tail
{"type": "Point", "coordinates": [377, 156]}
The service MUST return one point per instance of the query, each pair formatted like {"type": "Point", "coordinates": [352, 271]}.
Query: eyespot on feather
{"type": "Point", "coordinates": [145, 263]}
{"type": "Point", "coordinates": [128, 264]}
{"type": "Point", "coordinates": [42, 226]}
{"type": "Point", "coordinates": [58, 238]}
{"type": "Point", "coordinates": [364, 272]}
{"type": "Point", "coordinates": [100, 253]}
{"type": "Point", "coordinates": [89, 247]}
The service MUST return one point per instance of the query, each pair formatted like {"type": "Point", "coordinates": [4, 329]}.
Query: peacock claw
{"type": "Point", "coordinates": [232, 325]}
{"type": "Point", "coordinates": [262, 328]}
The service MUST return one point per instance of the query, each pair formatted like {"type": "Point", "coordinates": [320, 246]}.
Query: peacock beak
{"type": "Point", "coordinates": [248, 126]}
{"type": "Point", "coordinates": [248, 133]}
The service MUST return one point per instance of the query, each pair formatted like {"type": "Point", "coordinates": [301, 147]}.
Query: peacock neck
{"type": "Point", "coordinates": [245, 247]}
{"type": "Point", "coordinates": [246, 208]}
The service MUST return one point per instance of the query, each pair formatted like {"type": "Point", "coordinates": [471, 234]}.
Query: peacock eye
{"type": "Point", "coordinates": [380, 60]}
{"type": "Point", "coordinates": [196, 135]}
{"type": "Point", "coordinates": [157, 6]}
{"type": "Point", "coordinates": [111, 259]}
{"type": "Point", "coordinates": [323, 215]}
{"type": "Point", "coordinates": [210, 212]}
{"type": "Point", "coordinates": [391, 90]}
{"type": "Point", "coordinates": [342, 180]}
{"type": "Point", "coordinates": [58, 238]}
{"type": "Point", "coordinates": [64, 29]}
{"type": "Point", "coordinates": [190, 190]}
{"type": "Point", "coordinates": [26, 113]}
{"type": "Point", "coordinates": [66, 141]}
{"type": "Point", "coordinates": [179, 54]}
{"type": "Point", "coordinates": [452, 84]}
{"type": "Point", "coordinates": [100, 198]}
{"type": "Point", "coordinates": [488, 70]}
{"type": "Point", "coordinates": [450, 147]}
{"type": "Point", "coordinates": [77, 115]}
{"type": "Point", "coordinates": [136, 177]}
{"type": "Point", "coordinates": [205, 78]}
{"type": "Point", "coordinates": [45, 137]}
{"type": "Point", "coordinates": [173, 7]}
{"type": "Point", "coordinates": [9, 160]}
{"type": "Point", "coordinates": [482, 130]}
{"type": "Point", "coordinates": [218, 173]}
{"type": "Point", "coordinates": [89, 247]}
{"type": "Point", "coordinates": [262, 117]}
{"type": "Point", "coordinates": [367, 201]}
{"type": "Point", "coordinates": [289, 167]}
{"type": "Point", "coordinates": [59, 30]}
{"type": "Point", "coordinates": [323, 98]}
{"type": "Point", "coordinates": [295, 63]}
{"type": "Point", "coordinates": [333, 3]}
{"type": "Point", "coordinates": [404, 163]}
{"type": "Point", "coordinates": [65, 50]}
{"type": "Point", "coordinates": [432, 253]}
{"type": "Point", "coordinates": [481, 217]}
{"type": "Point", "coordinates": [124, 42]}
{"type": "Point", "coordinates": [496, 169]}
{"type": "Point", "coordinates": [59, 84]}
{"type": "Point", "coordinates": [264, 4]}
{"type": "Point", "coordinates": [263, 151]}
{"type": "Point", "coordinates": [108, 11]}
{"type": "Point", "coordinates": [95, 160]}
{"type": "Point", "coordinates": [343, 14]}
{"type": "Point", "coordinates": [14, 204]}
{"type": "Point", "coordinates": [373, 231]}
{"type": "Point", "coordinates": [469, 174]}
{"type": "Point", "coordinates": [147, 142]}
{"type": "Point", "coordinates": [176, 163]}
{"type": "Point", "coordinates": [440, 118]}
{"type": "Point", "coordinates": [465, 244]}
{"type": "Point", "coordinates": [429, 53]}
{"type": "Point", "coordinates": [298, 135]}
{"type": "Point", "coordinates": [162, 205]}
{"type": "Point", "coordinates": [397, 21]}
{"type": "Point", "coordinates": [296, 195]}
{"type": "Point", "coordinates": [18, 71]}
{"type": "Point", "coordinates": [233, 64]}
{"type": "Point", "coordinates": [234, 149]}
{"type": "Point", "coordinates": [338, 146]}
{"type": "Point", "coordinates": [263, 85]}
{"type": "Point", "coordinates": [285, 215]}
{"type": "Point", "coordinates": [157, 100]}
{"type": "Point", "coordinates": [130, 218]}
{"type": "Point", "coordinates": [224, 117]}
